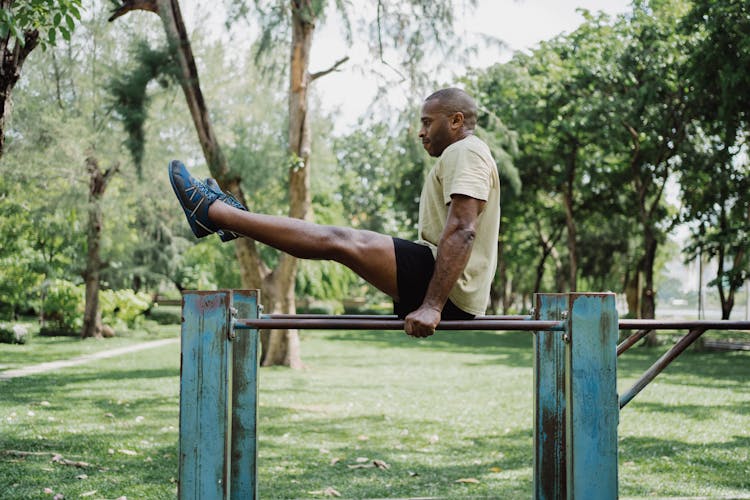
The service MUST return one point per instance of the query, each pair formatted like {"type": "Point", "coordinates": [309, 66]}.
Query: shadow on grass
{"type": "Point", "coordinates": [705, 460]}
{"type": "Point", "coordinates": [511, 348]}
{"type": "Point", "coordinates": [719, 370]}
{"type": "Point", "coordinates": [329, 456]}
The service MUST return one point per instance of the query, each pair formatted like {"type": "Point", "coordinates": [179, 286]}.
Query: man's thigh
{"type": "Point", "coordinates": [372, 256]}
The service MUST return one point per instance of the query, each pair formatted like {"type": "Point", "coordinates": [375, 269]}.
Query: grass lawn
{"type": "Point", "coordinates": [456, 406]}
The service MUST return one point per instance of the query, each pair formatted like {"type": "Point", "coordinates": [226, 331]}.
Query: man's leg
{"type": "Point", "coordinates": [369, 254]}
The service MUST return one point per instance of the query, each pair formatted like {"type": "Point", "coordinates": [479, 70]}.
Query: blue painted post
{"type": "Point", "coordinates": [549, 401]}
{"type": "Point", "coordinates": [245, 344]}
{"type": "Point", "coordinates": [205, 401]}
{"type": "Point", "coordinates": [591, 397]}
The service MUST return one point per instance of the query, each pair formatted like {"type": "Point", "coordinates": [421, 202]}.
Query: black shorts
{"type": "Point", "coordinates": [414, 267]}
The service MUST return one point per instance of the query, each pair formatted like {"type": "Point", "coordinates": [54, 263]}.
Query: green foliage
{"type": "Point", "coordinates": [63, 307]}
{"type": "Point", "coordinates": [123, 307]}
{"type": "Point", "coordinates": [15, 334]}
{"type": "Point", "coordinates": [50, 17]}
{"type": "Point", "coordinates": [130, 99]}
{"type": "Point", "coordinates": [165, 315]}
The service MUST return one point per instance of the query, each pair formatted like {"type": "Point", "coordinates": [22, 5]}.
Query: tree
{"type": "Point", "coordinates": [715, 183]}
{"type": "Point", "coordinates": [98, 182]}
{"type": "Point", "coordinates": [301, 16]}
{"type": "Point", "coordinates": [23, 26]}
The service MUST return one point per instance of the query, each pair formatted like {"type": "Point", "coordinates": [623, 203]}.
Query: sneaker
{"type": "Point", "coordinates": [194, 197]}
{"type": "Point", "coordinates": [230, 200]}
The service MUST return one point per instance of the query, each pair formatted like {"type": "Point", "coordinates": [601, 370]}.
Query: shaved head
{"type": "Point", "coordinates": [454, 100]}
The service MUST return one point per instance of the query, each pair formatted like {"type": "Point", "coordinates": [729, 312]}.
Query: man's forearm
{"type": "Point", "coordinates": [453, 252]}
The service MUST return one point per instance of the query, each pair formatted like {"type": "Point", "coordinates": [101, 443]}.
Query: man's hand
{"type": "Point", "coordinates": [422, 322]}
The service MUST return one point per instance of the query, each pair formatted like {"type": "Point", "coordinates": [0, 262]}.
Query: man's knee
{"type": "Point", "coordinates": [348, 245]}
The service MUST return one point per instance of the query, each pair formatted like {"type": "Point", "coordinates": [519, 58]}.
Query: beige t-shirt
{"type": "Point", "coordinates": [466, 167]}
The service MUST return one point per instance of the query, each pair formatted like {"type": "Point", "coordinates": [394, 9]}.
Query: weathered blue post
{"type": "Point", "coordinates": [549, 400]}
{"type": "Point", "coordinates": [591, 404]}
{"type": "Point", "coordinates": [245, 358]}
{"type": "Point", "coordinates": [218, 397]}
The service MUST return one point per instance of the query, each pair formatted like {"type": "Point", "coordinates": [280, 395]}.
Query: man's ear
{"type": "Point", "coordinates": [457, 120]}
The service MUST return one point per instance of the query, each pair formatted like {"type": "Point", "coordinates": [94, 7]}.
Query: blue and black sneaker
{"type": "Point", "coordinates": [230, 200]}
{"type": "Point", "coordinates": [194, 197]}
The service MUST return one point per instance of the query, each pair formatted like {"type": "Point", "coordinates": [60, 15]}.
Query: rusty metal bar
{"type": "Point", "coordinates": [358, 320]}
{"type": "Point", "coordinates": [630, 341]}
{"type": "Point", "coordinates": [397, 324]}
{"type": "Point", "coordinates": [378, 316]}
{"type": "Point", "coordinates": [661, 364]}
{"type": "Point", "coordinates": [653, 324]}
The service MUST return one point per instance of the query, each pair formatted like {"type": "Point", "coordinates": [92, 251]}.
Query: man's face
{"type": "Point", "coordinates": [436, 132]}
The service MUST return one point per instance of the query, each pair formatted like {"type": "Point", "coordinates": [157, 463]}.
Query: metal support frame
{"type": "Point", "coordinates": [218, 397]}
{"type": "Point", "coordinates": [575, 402]}
{"type": "Point", "coordinates": [661, 364]}
{"type": "Point", "coordinates": [575, 398]}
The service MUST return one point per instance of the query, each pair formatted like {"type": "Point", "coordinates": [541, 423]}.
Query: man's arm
{"type": "Point", "coordinates": [453, 253]}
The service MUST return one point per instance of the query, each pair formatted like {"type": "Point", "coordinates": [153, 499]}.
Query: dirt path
{"type": "Point", "coordinates": [79, 360]}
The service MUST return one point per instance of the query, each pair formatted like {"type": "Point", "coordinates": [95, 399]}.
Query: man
{"type": "Point", "coordinates": [446, 274]}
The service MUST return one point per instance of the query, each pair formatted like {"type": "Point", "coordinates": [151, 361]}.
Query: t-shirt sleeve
{"type": "Point", "coordinates": [467, 173]}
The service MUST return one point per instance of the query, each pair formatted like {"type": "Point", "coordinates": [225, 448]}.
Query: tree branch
{"type": "Point", "coordinates": [130, 5]}
{"type": "Point", "coordinates": [333, 68]}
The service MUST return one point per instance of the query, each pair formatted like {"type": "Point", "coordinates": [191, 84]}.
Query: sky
{"type": "Point", "coordinates": [348, 93]}
{"type": "Point", "coordinates": [520, 24]}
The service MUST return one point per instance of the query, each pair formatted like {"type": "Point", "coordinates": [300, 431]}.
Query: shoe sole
{"type": "Point", "coordinates": [199, 230]}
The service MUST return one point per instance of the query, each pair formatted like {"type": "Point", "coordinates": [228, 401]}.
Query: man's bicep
{"type": "Point", "coordinates": [464, 208]}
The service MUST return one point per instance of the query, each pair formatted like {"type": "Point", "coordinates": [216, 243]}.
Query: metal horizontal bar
{"type": "Point", "coordinates": [377, 316]}
{"type": "Point", "coordinates": [396, 324]}
{"type": "Point", "coordinates": [653, 324]}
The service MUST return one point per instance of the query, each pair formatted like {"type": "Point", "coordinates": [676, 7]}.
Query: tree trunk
{"type": "Point", "coordinates": [497, 289]}
{"type": "Point", "coordinates": [632, 291]}
{"type": "Point", "coordinates": [13, 56]}
{"type": "Point", "coordinates": [254, 273]}
{"type": "Point", "coordinates": [98, 180]}
{"type": "Point", "coordinates": [281, 344]}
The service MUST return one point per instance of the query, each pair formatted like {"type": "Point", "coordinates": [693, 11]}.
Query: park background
{"type": "Point", "coordinates": [620, 132]}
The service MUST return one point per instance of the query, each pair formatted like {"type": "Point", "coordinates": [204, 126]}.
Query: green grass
{"type": "Point", "coordinates": [455, 406]}
{"type": "Point", "coordinates": [43, 349]}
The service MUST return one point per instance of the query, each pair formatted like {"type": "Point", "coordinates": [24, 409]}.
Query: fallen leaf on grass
{"type": "Point", "coordinates": [128, 452]}
{"type": "Point", "coordinates": [469, 480]}
{"type": "Point", "coordinates": [362, 437]}
{"type": "Point", "coordinates": [361, 466]}
{"type": "Point", "coordinates": [413, 474]}
{"type": "Point", "coordinates": [328, 492]}
{"type": "Point", "coordinates": [381, 465]}
{"type": "Point", "coordinates": [82, 476]}
{"type": "Point", "coordinates": [89, 494]}
{"type": "Point", "coordinates": [370, 465]}
{"type": "Point", "coordinates": [496, 469]}
{"type": "Point", "coordinates": [335, 460]}
{"type": "Point", "coordinates": [58, 459]}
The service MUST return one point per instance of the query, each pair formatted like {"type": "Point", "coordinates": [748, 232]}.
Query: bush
{"type": "Point", "coordinates": [56, 331]}
{"type": "Point", "coordinates": [63, 306]}
{"type": "Point", "coordinates": [123, 307]}
{"type": "Point", "coordinates": [65, 303]}
{"type": "Point", "coordinates": [165, 315]}
{"type": "Point", "coordinates": [16, 334]}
